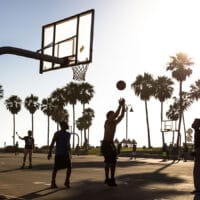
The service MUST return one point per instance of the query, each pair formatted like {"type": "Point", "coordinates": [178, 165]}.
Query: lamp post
{"type": "Point", "coordinates": [127, 110]}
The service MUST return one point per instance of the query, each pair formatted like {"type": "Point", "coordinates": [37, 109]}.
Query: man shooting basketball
{"type": "Point", "coordinates": [108, 148]}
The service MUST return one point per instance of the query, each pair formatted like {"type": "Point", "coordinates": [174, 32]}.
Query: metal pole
{"type": "Point", "coordinates": [126, 123]}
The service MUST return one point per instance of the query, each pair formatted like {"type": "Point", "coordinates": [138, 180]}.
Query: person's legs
{"type": "Point", "coordinates": [30, 158]}
{"type": "Point", "coordinates": [53, 180]}
{"type": "Point", "coordinates": [112, 169]}
{"type": "Point", "coordinates": [67, 180]}
{"type": "Point", "coordinates": [24, 158]}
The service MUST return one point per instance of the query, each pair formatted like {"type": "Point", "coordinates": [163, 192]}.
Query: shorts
{"type": "Point", "coordinates": [62, 162]}
{"type": "Point", "coordinates": [109, 152]}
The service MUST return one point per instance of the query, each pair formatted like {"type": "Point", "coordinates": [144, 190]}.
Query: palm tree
{"type": "Point", "coordinates": [13, 104]}
{"type": "Point", "coordinates": [58, 101]}
{"type": "Point", "coordinates": [195, 90]}
{"type": "Point", "coordinates": [80, 126]}
{"type": "Point", "coordinates": [88, 115]}
{"type": "Point", "coordinates": [180, 67]}
{"type": "Point", "coordinates": [144, 88]}
{"type": "Point", "coordinates": [163, 91]}
{"type": "Point", "coordinates": [71, 94]}
{"type": "Point", "coordinates": [174, 109]}
{"type": "Point", "coordinates": [47, 108]}
{"type": "Point", "coordinates": [86, 92]}
{"type": "Point", "coordinates": [32, 105]}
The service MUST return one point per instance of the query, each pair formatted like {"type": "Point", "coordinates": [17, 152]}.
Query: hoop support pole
{"type": "Point", "coordinates": [32, 54]}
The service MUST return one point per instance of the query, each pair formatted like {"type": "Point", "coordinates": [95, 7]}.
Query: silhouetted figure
{"type": "Point", "coordinates": [165, 152]}
{"type": "Point", "coordinates": [62, 154]}
{"type": "Point", "coordinates": [185, 152]}
{"type": "Point", "coordinates": [196, 169]}
{"type": "Point", "coordinates": [16, 148]}
{"type": "Point", "coordinates": [77, 150]}
{"type": "Point", "coordinates": [108, 148]}
{"type": "Point", "coordinates": [133, 153]}
{"type": "Point", "coordinates": [28, 149]}
{"type": "Point", "coordinates": [119, 146]}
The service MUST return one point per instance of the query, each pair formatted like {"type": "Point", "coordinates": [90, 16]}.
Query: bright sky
{"type": "Point", "coordinates": [130, 37]}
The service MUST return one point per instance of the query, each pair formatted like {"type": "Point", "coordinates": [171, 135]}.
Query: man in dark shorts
{"type": "Point", "coordinates": [62, 154]}
{"type": "Point", "coordinates": [108, 148]}
{"type": "Point", "coordinates": [29, 147]}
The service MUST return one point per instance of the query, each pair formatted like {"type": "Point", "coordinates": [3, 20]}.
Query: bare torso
{"type": "Point", "coordinates": [109, 130]}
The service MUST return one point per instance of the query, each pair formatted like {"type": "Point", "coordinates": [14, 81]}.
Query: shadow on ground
{"type": "Point", "coordinates": [139, 186]}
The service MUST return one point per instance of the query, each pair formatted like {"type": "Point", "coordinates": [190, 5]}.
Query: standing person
{"type": "Point", "coordinates": [196, 169]}
{"type": "Point", "coordinates": [108, 148]}
{"type": "Point", "coordinates": [28, 149]}
{"type": "Point", "coordinates": [16, 148]}
{"type": "Point", "coordinates": [62, 154]}
{"type": "Point", "coordinates": [133, 154]}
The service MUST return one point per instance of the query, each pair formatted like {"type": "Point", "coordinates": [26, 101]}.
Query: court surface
{"type": "Point", "coordinates": [143, 179]}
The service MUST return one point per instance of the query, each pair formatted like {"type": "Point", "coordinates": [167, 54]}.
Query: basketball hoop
{"type": "Point", "coordinates": [79, 72]}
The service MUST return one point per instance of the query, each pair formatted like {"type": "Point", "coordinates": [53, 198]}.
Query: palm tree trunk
{"type": "Point", "coordinates": [32, 124]}
{"type": "Point", "coordinates": [88, 136]}
{"type": "Point", "coordinates": [81, 138]}
{"type": "Point", "coordinates": [147, 121]}
{"type": "Point", "coordinates": [184, 128]}
{"type": "Point", "coordinates": [180, 114]}
{"type": "Point", "coordinates": [48, 128]}
{"type": "Point", "coordinates": [13, 129]}
{"type": "Point", "coordinates": [161, 119]}
{"type": "Point", "coordinates": [173, 137]}
{"type": "Point", "coordinates": [73, 143]}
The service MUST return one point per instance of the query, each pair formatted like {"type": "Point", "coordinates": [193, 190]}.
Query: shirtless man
{"type": "Point", "coordinates": [108, 148]}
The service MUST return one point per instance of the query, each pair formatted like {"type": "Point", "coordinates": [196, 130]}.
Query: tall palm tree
{"type": "Point", "coordinates": [86, 93]}
{"type": "Point", "coordinates": [144, 88]}
{"type": "Point", "coordinates": [71, 94]}
{"type": "Point", "coordinates": [13, 104]}
{"type": "Point", "coordinates": [32, 105]}
{"type": "Point", "coordinates": [47, 108]}
{"type": "Point", "coordinates": [163, 91]}
{"type": "Point", "coordinates": [180, 67]}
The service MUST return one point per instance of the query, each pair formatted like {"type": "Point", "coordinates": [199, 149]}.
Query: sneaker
{"type": "Point", "coordinates": [112, 182]}
{"type": "Point", "coordinates": [53, 186]}
{"type": "Point", "coordinates": [108, 182]}
{"type": "Point", "coordinates": [67, 184]}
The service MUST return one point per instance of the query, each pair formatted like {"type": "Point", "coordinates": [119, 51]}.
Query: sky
{"type": "Point", "coordinates": [130, 37]}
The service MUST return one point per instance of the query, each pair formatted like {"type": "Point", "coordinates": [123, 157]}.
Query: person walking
{"type": "Point", "coordinates": [108, 148]}
{"type": "Point", "coordinates": [62, 153]}
{"type": "Point", "coordinates": [28, 149]}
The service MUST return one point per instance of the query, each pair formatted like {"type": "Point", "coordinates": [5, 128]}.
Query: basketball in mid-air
{"type": "Point", "coordinates": [121, 85]}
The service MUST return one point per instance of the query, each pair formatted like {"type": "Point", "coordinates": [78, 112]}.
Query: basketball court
{"type": "Point", "coordinates": [149, 179]}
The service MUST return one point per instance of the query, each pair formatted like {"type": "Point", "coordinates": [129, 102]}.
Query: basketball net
{"type": "Point", "coordinates": [79, 72]}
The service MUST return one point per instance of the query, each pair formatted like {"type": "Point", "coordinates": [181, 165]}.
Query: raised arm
{"type": "Point", "coordinates": [22, 138]}
{"type": "Point", "coordinates": [122, 106]}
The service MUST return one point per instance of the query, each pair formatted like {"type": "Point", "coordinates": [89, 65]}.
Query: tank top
{"type": "Point", "coordinates": [63, 143]}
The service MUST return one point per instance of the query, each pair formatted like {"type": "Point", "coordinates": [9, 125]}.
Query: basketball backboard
{"type": "Point", "coordinates": [70, 38]}
{"type": "Point", "coordinates": [168, 125]}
